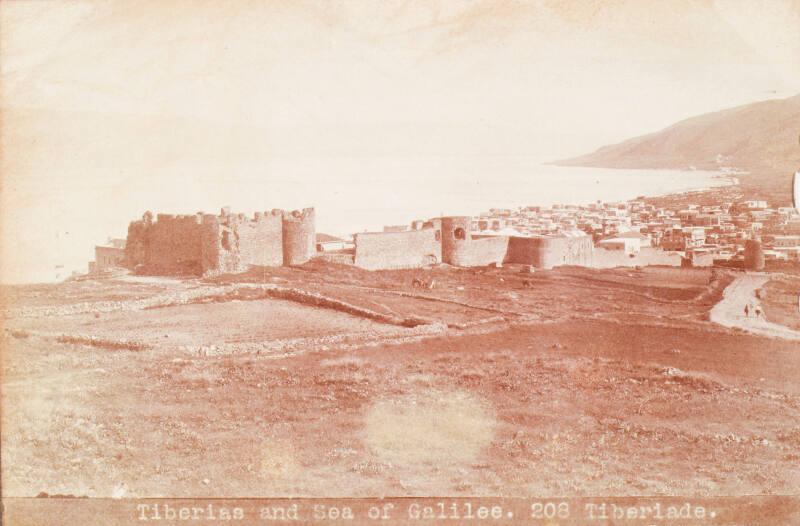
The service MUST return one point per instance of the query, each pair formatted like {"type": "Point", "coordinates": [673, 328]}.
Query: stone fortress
{"type": "Point", "coordinates": [208, 244]}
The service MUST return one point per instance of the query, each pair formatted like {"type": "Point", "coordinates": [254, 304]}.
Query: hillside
{"type": "Point", "coordinates": [760, 138]}
{"type": "Point", "coordinates": [311, 381]}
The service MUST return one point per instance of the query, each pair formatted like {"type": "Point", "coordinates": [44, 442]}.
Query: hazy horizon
{"type": "Point", "coordinates": [110, 109]}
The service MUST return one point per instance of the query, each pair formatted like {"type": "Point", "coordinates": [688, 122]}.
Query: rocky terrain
{"type": "Point", "coordinates": [328, 380]}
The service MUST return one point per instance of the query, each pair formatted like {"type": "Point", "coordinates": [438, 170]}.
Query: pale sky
{"type": "Point", "coordinates": [113, 108]}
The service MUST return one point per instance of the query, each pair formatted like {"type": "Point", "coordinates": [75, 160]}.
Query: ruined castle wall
{"type": "Point", "coordinates": [244, 241]}
{"type": "Point", "coordinates": [261, 240]}
{"type": "Point", "coordinates": [173, 245]}
{"type": "Point", "coordinates": [211, 249]}
{"type": "Point", "coordinates": [461, 249]}
{"type": "Point", "coordinates": [136, 245]}
{"type": "Point", "coordinates": [482, 251]}
{"type": "Point", "coordinates": [549, 252]}
{"type": "Point", "coordinates": [299, 237]}
{"type": "Point", "coordinates": [394, 250]}
{"type": "Point", "coordinates": [210, 244]}
{"type": "Point", "coordinates": [525, 251]}
{"type": "Point", "coordinates": [455, 237]}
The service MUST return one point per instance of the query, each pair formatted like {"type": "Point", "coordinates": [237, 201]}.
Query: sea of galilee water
{"type": "Point", "coordinates": [353, 205]}
{"type": "Point", "coordinates": [349, 196]}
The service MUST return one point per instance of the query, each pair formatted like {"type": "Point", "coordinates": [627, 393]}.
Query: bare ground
{"type": "Point", "coordinates": [730, 311]}
{"type": "Point", "coordinates": [579, 382]}
{"type": "Point", "coordinates": [780, 297]}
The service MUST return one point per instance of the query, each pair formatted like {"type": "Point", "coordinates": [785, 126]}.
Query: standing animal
{"type": "Point", "coordinates": [422, 283]}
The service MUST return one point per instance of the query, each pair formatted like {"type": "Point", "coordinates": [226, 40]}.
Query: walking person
{"type": "Point", "coordinates": [746, 310]}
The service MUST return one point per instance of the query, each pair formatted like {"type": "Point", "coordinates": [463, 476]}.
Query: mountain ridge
{"type": "Point", "coordinates": [760, 138]}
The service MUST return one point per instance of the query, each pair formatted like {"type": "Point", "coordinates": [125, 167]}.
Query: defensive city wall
{"type": "Point", "coordinates": [208, 244]}
{"type": "Point", "coordinates": [449, 240]}
{"type": "Point", "coordinates": [395, 250]}
{"type": "Point", "coordinates": [551, 251]}
{"type": "Point", "coordinates": [203, 244]}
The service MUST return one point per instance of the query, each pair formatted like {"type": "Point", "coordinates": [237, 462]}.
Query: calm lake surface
{"type": "Point", "coordinates": [393, 201]}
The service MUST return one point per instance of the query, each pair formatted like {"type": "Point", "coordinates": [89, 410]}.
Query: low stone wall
{"type": "Point", "coordinates": [339, 258]}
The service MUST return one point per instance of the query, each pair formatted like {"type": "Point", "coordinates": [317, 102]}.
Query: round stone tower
{"type": "Point", "coordinates": [455, 240]}
{"type": "Point", "coordinates": [299, 236]}
{"type": "Point", "coordinates": [753, 255]}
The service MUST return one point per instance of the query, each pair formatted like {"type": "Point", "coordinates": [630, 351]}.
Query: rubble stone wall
{"type": "Point", "coordinates": [257, 241]}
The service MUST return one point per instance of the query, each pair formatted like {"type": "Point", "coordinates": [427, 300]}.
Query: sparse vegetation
{"type": "Point", "coordinates": [587, 382]}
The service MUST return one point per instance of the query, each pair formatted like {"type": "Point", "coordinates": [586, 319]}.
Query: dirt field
{"type": "Point", "coordinates": [233, 322]}
{"type": "Point", "coordinates": [567, 382]}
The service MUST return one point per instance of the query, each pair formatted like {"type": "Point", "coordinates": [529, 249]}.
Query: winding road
{"type": "Point", "coordinates": [729, 312]}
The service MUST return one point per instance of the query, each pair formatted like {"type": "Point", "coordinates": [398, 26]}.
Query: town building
{"type": "Point", "coordinates": [108, 256]}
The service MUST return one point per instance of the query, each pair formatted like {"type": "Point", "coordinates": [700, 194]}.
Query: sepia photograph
{"type": "Point", "coordinates": [400, 262]}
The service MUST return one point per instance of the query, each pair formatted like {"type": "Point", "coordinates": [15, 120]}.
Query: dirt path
{"type": "Point", "coordinates": [729, 312]}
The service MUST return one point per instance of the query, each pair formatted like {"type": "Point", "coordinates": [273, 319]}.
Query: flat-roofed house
{"type": "Point", "coordinates": [628, 245]}
{"type": "Point", "coordinates": [108, 256]}
{"type": "Point", "coordinates": [328, 243]}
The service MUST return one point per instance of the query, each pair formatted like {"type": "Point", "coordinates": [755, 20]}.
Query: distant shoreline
{"type": "Point", "coordinates": [733, 182]}
{"type": "Point", "coordinates": [730, 174]}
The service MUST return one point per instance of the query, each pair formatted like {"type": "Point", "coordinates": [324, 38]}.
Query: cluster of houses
{"type": "Point", "coordinates": [718, 231]}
